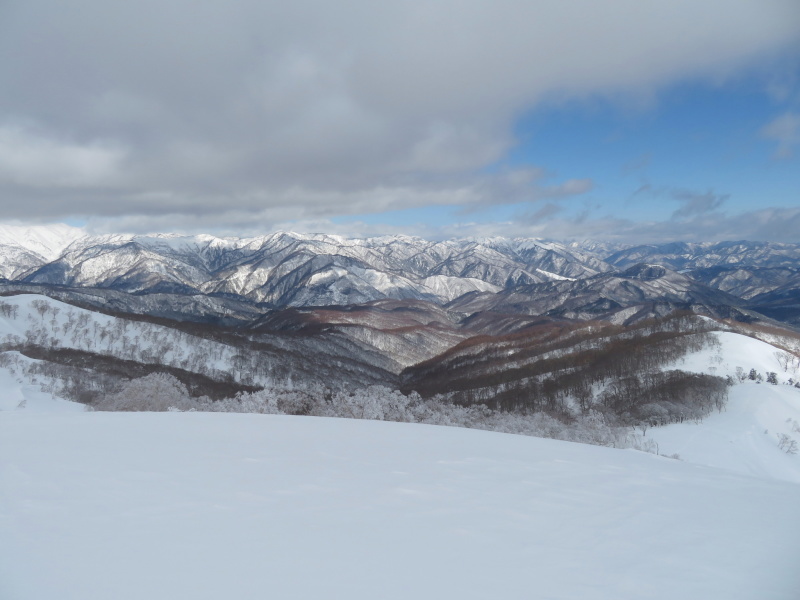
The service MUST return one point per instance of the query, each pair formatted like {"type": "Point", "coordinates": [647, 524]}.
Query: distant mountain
{"type": "Point", "coordinates": [17, 261]}
{"type": "Point", "coordinates": [44, 241]}
{"type": "Point", "coordinates": [684, 256]}
{"type": "Point", "coordinates": [642, 291]}
{"type": "Point", "coordinates": [306, 270]}
{"type": "Point", "coordinates": [781, 304]}
{"type": "Point", "coordinates": [23, 249]}
{"type": "Point", "coordinates": [599, 249]}
{"type": "Point", "coordinates": [747, 281]}
{"type": "Point", "coordinates": [234, 281]}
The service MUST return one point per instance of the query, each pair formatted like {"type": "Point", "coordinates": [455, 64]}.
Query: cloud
{"type": "Point", "coordinates": [785, 130]}
{"type": "Point", "coordinates": [153, 108]}
{"type": "Point", "coordinates": [547, 211]}
{"type": "Point", "coordinates": [769, 224]}
{"type": "Point", "coordinates": [696, 203]}
{"type": "Point", "coordinates": [693, 203]}
{"type": "Point", "coordinates": [638, 164]}
{"type": "Point", "coordinates": [466, 194]}
{"type": "Point", "coordinates": [28, 158]}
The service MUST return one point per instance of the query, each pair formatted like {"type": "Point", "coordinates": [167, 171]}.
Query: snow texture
{"type": "Point", "coordinates": [208, 506]}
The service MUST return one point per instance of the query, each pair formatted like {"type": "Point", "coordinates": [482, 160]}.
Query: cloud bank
{"type": "Point", "coordinates": [312, 109]}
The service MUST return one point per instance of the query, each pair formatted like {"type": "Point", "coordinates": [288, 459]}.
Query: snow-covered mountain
{"type": "Point", "coordinates": [746, 281]}
{"type": "Point", "coordinates": [23, 249]}
{"type": "Point", "coordinates": [745, 435]}
{"type": "Point", "coordinates": [279, 491]}
{"type": "Point", "coordinates": [683, 255]}
{"type": "Point", "coordinates": [515, 336]}
{"type": "Point", "coordinates": [303, 270]}
{"type": "Point", "coordinates": [45, 241]}
{"type": "Point", "coordinates": [234, 280]}
{"type": "Point", "coordinates": [640, 292]}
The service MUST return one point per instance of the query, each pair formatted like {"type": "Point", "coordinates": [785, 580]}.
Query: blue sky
{"type": "Point", "coordinates": [695, 146]}
{"type": "Point", "coordinates": [570, 119]}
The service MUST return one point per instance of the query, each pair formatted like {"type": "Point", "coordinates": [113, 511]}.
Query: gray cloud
{"type": "Point", "coordinates": [317, 108]}
{"type": "Point", "coordinates": [696, 203]}
{"type": "Point", "coordinates": [545, 212]}
{"type": "Point", "coordinates": [31, 159]}
{"type": "Point", "coordinates": [693, 203]}
{"type": "Point", "coordinates": [638, 164]}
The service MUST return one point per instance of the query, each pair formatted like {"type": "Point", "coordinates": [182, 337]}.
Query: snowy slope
{"type": "Point", "coordinates": [55, 324]}
{"type": "Point", "coordinates": [743, 437]}
{"type": "Point", "coordinates": [192, 505]}
{"type": "Point", "coordinates": [737, 350]}
{"type": "Point", "coordinates": [28, 396]}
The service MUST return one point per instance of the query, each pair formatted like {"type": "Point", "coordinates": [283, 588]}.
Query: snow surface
{"type": "Point", "coordinates": [736, 350]}
{"type": "Point", "coordinates": [194, 505]}
{"type": "Point", "coordinates": [743, 437]}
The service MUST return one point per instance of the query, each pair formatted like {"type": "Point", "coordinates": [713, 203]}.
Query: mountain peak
{"type": "Point", "coordinates": [645, 272]}
{"type": "Point", "coordinates": [47, 241]}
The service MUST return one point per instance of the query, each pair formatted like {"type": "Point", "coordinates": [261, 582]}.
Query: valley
{"type": "Point", "coordinates": [574, 341]}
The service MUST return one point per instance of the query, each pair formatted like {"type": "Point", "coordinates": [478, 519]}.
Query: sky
{"type": "Point", "coordinates": [619, 120]}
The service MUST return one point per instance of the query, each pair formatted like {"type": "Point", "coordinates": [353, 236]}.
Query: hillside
{"type": "Point", "coordinates": [742, 438]}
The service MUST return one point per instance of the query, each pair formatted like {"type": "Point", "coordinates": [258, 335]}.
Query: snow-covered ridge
{"type": "Point", "coordinates": [295, 269]}
{"type": "Point", "coordinates": [46, 241]}
{"type": "Point", "coordinates": [308, 269]}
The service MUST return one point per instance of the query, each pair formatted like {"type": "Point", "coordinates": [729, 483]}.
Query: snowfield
{"type": "Point", "coordinates": [743, 437]}
{"type": "Point", "coordinates": [192, 505]}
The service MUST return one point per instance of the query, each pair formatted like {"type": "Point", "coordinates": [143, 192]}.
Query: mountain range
{"type": "Point", "coordinates": [240, 280]}
{"type": "Point", "coordinates": [583, 336]}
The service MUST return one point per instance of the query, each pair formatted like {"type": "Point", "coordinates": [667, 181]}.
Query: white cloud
{"type": "Point", "coordinates": [769, 224]}
{"type": "Point", "coordinates": [326, 107]}
{"type": "Point", "coordinates": [785, 130]}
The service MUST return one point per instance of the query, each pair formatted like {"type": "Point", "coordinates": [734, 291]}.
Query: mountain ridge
{"type": "Point", "coordinates": [288, 269]}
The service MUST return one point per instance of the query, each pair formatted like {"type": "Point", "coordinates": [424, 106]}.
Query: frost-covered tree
{"type": "Point", "coordinates": [154, 392]}
{"type": "Point", "coordinates": [260, 402]}
{"type": "Point", "coordinates": [787, 443]}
